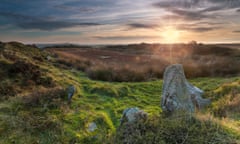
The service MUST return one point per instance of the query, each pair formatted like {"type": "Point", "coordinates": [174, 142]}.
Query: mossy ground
{"type": "Point", "coordinates": [57, 121]}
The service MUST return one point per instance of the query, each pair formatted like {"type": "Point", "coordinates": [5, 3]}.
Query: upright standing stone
{"type": "Point", "coordinates": [178, 93]}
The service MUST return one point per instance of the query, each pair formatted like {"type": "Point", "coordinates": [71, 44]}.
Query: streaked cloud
{"type": "Point", "coordinates": [125, 37]}
{"type": "Point", "coordinates": [99, 21]}
{"type": "Point", "coordinates": [197, 28]}
{"type": "Point", "coordinates": [204, 5]}
{"type": "Point", "coordinates": [196, 9]}
{"type": "Point", "coordinates": [77, 9]}
{"type": "Point", "coordinates": [200, 27]}
{"type": "Point", "coordinates": [236, 31]}
{"type": "Point", "coordinates": [46, 23]}
{"type": "Point", "coordinates": [142, 26]}
{"type": "Point", "coordinates": [188, 15]}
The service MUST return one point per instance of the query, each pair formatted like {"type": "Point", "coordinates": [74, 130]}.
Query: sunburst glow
{"type": "Point", "coordinates": [170, 35]}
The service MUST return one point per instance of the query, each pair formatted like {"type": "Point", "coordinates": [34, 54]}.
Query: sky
{"type": "Point", "coordinates": [120, 21]}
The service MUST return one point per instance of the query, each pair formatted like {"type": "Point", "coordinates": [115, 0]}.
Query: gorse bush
{"type": "Point", "coordinates": [7, 89]}
{"type": "Point", "coordinates": [122, 75]}
{"type": "Point", "coordinates": [51, 97]}
{"type": "Point", "coordinates": [30, 73]}
{"type": "Point", "coordinates": [227, 100]}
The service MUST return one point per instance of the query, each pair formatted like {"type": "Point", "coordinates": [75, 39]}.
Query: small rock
{"type": "Point", "coordinates": [71, 90]}
{"type": "Point", "coordinates": [105, 57]}
{"type": "Point", "coordinates": [49, 58]}
{"type": "Point", "coordinates": [133, 114]}
{"type": "Point", "coordinates": [92, 127]}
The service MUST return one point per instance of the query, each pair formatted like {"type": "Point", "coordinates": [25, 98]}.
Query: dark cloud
{"type": "Point", "coordinates": [206, 5]}
{"type": "Point", "coordinates": [47, 23]}
{"type": "Point", "coordinates": [218, 5]}
{"type": "Point", "coordinates": [142, 26]}
{"type": "Point", "coordinates": [176, 4]}
{"type": "Point", "coordinates": [199, 27]}
{"type": "Point", "coordinates": [236, 31]}
{"type": "Point", "coordinates": [188, 15]}
{"type": "Point", "coordinates": [16, 17]}
{"type": "Point", "coordinates": [238, 10]}
{"type": "Point", "coordinates": [124, 37]}
{"type": "Point", "coordinates": [77, 9]}
{"type": "Point", "coordinates": [213, 8]}
{"type": "Point", "coordinates": [227, 3]}
{"type": "Point", "coordinates": [209, 23]}
{"type": "Point", "coordinates": [196, 9]}
{"type": "Point", "coordinates": [52, 25]}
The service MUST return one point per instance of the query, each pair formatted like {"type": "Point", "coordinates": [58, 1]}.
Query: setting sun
{"type": "Point", "coordinates": [170, 35]}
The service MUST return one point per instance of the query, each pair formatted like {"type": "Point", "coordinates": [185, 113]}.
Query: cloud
{"type": "Point", "coordinates": [142, 26]}
{"type": "Point", "coordinates": [125, 37]}
{"type": "Point", "coordinates": [199, 27]}
{"type": "Point", "coordinates": [238, 10]}
{"type": "Point", "coordinates": [190, 14]}
{"type": "Point", "coordinates": [16, 17]}
{"type": "Point", "coordinates": [52, 25]}
{"type": "Point", "coordinates": [77, 9]}
{"type": "Point", "coordinates": [218, 5]}
{"type": "Point", "coordinates": [196, 9]}
{"type": "Point", "coordinates": [213, 8]}
{"type": "Point", "coordinates": [176, 4]}
{"type": "Point", "coordinates": [46, 23]}
{"type": "Point", "coordinates": [206, 5]}
{"type": "Point", "coordinates": [228, 4]}
{"type": "Point", "coordinates": [236, 31]}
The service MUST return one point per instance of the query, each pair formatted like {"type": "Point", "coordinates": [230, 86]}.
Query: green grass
{"type": "Point", "coordinates": [95, 101]}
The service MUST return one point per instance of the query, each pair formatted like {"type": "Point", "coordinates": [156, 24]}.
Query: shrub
{"type": "Point", "coordinates": [10, 55]}
{"type": "Point", "coordinates": [51, 97]}
{"type": "Point", "coordinates": [26, 69]}
{"type": "Point", "coordinates": [7, 89]}
{"type": "Point", "coordinates": [172, 130]}
{"type": "Point", "coordinates": [101, 74]}
{"type": "Point", "coordinates": [64, 62]}
{"type": "Point", "coordinates": [120, 75]}
{"type": "Point", "coordinates": [228, 100]}
{"type": "Point", "coordinates": [30, 74]}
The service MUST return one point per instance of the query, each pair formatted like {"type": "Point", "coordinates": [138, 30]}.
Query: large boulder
{"type": "Point", "coordinates": [178, 93]}
{"type": "Point", "coordinates": [132, 115]}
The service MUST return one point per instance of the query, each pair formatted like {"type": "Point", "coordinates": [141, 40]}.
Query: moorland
{"type": "Point", "coordinates": [34, 107]}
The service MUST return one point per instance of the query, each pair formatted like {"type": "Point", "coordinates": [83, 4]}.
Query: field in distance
{"type": "Point", "coordinates": [143, 62]}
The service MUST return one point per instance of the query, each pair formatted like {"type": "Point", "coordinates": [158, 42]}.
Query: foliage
{"type": "Point", "coordinates": [159, 130]}
{"type": "Point", "coordinates": [45, 98]}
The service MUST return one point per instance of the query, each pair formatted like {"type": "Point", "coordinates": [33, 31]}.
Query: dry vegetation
{"type": "Point", "coordinates": [145, 62]}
